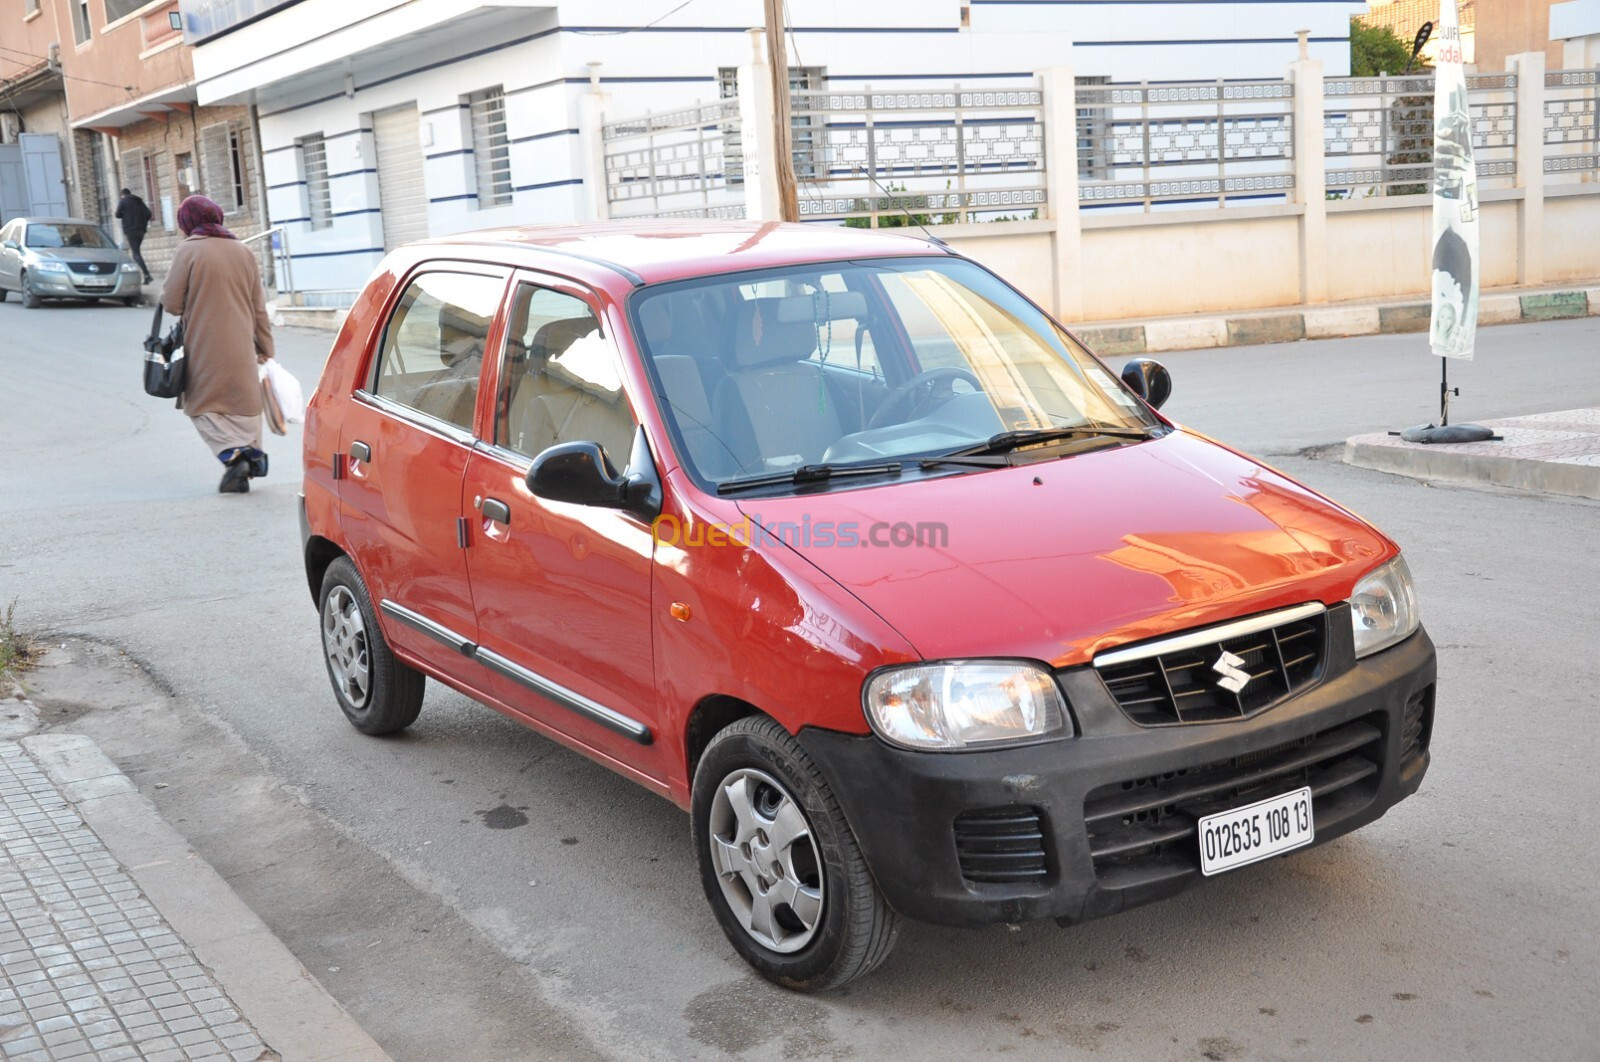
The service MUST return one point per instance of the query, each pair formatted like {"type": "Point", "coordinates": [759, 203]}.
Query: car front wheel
{"type": "Point", "coordinates": [779, 864]}
{"type": "Point", "coordinates": [30, 298]}
{"type": "Point", "coordinates": [378, 693]}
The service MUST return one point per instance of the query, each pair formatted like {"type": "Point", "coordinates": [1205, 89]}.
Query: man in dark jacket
{"type": "Point", "coordinates": [135, 217]}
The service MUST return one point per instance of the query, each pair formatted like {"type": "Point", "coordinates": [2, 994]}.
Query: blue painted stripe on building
{"type": "Point", "coordinates": [335, 254]}
{"type": "Point", "coordinates": [353, 213]}
{"type": "Point", "coordinates": [347, 132]}
{"type": "Point", "coordinates": [548, 184]}
{"type": "Point", "coordinates": [1094, 3]}
{"type": "Point", "coordinates": [273, 151]}
{"type": "Point", "coordinates": [286, 184]}
{"type": "Point", "coordinates": [290, 221]}
{"type": "Point", "coordinates": [451, 107]}
{"type": "Point", "coordinates": [448, 154]}
{"type": "Point", "coordinates": [746, 29]}
{"type": "Point", "coordinates": [544, 136]}
{"type": "Point", "coordinates": [454, 198]}
{"type": "Point", "coordinates": [351, 173]}
{"type": "Point", "coordinates": [1210, 40]}
{"type": "Point", "coordinates": [961, 77]}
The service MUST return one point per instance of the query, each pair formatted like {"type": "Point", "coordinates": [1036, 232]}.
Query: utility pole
{"type": "Point", "coordinates": [778, 63]}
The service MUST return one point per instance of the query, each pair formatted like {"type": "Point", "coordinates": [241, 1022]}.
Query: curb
{"type": "Point", "coordinates": [278, 996]}
{"type": "Point", "coordinates": [1323, 322]}
{"type": "Point", "coordinates": [1550, 453]}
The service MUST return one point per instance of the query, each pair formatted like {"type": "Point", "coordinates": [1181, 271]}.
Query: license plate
{"type": "Point", "coordinates": [94, 283]}
{"type": "Point", "coordinates": [1256, 831]}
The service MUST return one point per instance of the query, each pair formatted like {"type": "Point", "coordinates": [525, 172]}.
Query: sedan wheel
{"type": "Point", "coordinates": [378, 693]}
{"type": "Point", "coordinates": [767, 861]}
{"type": "Point", "coordinates": [779, 864]}
{"type": "Point", "coordinates": [30, 299]}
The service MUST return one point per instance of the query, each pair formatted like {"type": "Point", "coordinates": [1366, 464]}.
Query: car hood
{"type": "Point", "coordinates": [111, 255]}
{"type": "Point", "coordinates": [1059, 560]}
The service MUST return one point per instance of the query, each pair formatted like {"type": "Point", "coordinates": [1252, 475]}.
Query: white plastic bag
{"type": "Point", "coordinates": [291, 399]}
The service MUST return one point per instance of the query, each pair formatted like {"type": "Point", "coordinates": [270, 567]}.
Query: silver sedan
{"type": "Point", "coordinates": [53, 258]}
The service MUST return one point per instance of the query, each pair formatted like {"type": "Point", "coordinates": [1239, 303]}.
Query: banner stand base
{"type": "Point", "coordinates": [1449, 433]}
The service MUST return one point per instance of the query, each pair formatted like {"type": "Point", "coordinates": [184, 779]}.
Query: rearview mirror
{"type": "Point", "coordinates": [1149, 379]}
{"type": "Point", "coordinates": [12, 245]}
{"type": "Point", "coordinates": [580, 473]}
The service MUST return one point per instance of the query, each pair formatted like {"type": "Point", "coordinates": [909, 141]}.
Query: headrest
{"type": "Point", "coordinates": [554, 337]}
{"type": "Point", "coordinates": [761, 338]}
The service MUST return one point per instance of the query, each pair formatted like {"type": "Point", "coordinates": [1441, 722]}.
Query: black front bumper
{"type": "Point", "coordinates": [1086, 826]}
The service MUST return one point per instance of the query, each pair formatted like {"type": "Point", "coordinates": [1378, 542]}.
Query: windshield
{"type": "Point", "coordinates": [51, 235]}
{"type": "Point", "coordinates": [850, 362]}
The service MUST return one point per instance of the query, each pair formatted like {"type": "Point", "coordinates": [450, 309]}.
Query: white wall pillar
{"type": "Point", "coordinates": [1061, 188]}
{"type": "Point", "coordinates": [757, 138]}
{"type": "Point", "coordinates": [1529, 68]}
{"type": "Point", "coordinates": [592, 108]}
{"type": "Point", "coordinates": [1310, 173]}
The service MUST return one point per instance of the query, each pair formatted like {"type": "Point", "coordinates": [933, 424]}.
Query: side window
{"type": "Point", "coordinates": [560, 382]}
{"type": "Point", "coordinates": [433, 345]}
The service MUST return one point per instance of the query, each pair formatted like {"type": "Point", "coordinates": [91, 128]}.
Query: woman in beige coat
{"type": "Point", "coordinates": [214, 284]}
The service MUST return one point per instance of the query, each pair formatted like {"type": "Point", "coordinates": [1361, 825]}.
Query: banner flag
{"type": "Point", "coordinates": [1453, 322]}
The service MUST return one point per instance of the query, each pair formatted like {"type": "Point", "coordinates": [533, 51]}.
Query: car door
{"type": "Point", "coordinates": [9, 258]}
{"type": "Point", "coordinates": [408, 434]}
{"type": "Point", "coordinates": [562, 591]}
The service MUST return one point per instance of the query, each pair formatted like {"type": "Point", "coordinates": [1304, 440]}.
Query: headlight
{"type": "Point", "coordinates": [129, 267]}
{"type": "Point", "coordinates": [49, 266]}
{"type": "Point", "coordinates": [960, 705]}
{"type": "Point", "coordinates": [1383, 610]}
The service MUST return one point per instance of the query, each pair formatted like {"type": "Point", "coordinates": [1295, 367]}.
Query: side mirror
{"type": "Point", "coordinates": [580, 473]}
{"type": "Point", "coordinates": [1149, 379]}
{"type": "Point", "coordinates": [12, 245]}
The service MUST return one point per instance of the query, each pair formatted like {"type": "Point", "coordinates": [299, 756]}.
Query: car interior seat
{"type": "Point", "coordinates": [530, 425]}
{"type": "Point", "coordinates": [773, 408]}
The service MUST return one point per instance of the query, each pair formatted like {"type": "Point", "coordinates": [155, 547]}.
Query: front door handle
{"type": "Point", "coordinates": [496, 510]}
{"type": "Point", "coordinates": [361, 451]}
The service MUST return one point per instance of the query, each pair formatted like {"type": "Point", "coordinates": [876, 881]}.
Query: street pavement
{"type": "Point", "coordinates": [470, 890]}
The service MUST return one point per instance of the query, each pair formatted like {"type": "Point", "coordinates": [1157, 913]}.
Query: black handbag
{"type": "Point", "coordinates": [163, 360]}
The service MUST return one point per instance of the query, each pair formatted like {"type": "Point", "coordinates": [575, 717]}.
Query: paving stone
{"type": "Point", "coordinates": [1412, 317]}
{"type": "Point", "coordinates": [1276, 328]}
{"type": "Point", "coordinates": [1554, 304]}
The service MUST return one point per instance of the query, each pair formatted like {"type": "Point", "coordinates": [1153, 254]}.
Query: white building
{"type": "Point", "coordinates": [383, 121]}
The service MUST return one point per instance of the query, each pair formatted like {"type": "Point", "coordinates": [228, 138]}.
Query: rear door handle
{"type": "Point", "coordinates": [496, 510]}
{"type": "Point", "coordinates": [360, 451]}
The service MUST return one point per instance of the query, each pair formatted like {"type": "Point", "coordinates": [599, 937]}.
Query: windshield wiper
{"type": "Point", "coordinates": [1007, 441]}
{"type": "Point", "coordinates": [809, 474]}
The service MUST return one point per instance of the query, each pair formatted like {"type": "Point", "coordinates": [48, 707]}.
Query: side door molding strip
{"type": "Point", "coordinates": [571, 700]}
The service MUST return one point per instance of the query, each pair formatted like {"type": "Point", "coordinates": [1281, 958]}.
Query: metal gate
{"type": "Point", "coordinates": [47, 185]}
{"type": "Point", "coordinates": [402, 196]}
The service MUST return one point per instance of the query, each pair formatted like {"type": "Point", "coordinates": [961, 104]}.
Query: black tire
{"type": "Point", "coordinates": [5, 293]}
{"type": "Point", "coordinates": [856, 928]}
{"type": "Point", "coordinates": [30, 300]}
{"type": "Point", "coordinates": [131, 300]}
{"type": "Point", "coordinates": [392, 696]}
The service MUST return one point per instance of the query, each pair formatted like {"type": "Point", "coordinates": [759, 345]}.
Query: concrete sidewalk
{"type": "Point", "coordinates": [118, 942]}
{"type": "Point", "coordinates": [1246, 327]}
{"type": "Point", "coordinates": [1551, 453]}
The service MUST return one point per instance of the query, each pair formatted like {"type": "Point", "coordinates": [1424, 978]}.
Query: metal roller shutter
{"type": "Point", "coordinates": [402, 195]}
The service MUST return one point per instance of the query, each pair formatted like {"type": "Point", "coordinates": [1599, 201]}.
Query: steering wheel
{"type": "Point", "coordinates": [906, 394]}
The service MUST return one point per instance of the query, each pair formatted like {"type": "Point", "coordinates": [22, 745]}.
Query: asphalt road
{"type": "Point", "coordinates": [473, 891]}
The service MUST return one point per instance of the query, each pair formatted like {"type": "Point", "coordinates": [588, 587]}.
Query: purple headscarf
{"type": "Point", "coordinates": [199, 216]}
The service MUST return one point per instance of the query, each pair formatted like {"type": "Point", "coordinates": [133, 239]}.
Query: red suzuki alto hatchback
{"type": "Point", "coordinates": [840, 543]}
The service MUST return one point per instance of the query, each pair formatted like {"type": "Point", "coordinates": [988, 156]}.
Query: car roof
{"type": "Point", "coordinates": [651, 251]}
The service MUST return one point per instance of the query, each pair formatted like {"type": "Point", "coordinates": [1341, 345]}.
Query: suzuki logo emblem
{"type": "Point", "coordinates": [1234, 677]}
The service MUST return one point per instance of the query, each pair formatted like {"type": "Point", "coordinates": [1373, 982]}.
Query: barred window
{"type": "Point", "coordinates": [314, 169]}
{"type": "Point", "coordinates": [805, 144]}
{"type": "Point", "coordinates": [1094, 134]}
{"type": "Point", "coordinates": [491, 150]}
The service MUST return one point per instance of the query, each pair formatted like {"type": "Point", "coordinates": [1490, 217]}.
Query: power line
{"type": "Point", "coordinates": [71, 77]}
{"type": "Point", "coordinates": [633, 29]}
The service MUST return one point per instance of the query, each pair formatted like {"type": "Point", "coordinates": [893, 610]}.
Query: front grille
{"type": "Point", "coordinates": [1001, 845]}
{"type": "Point", "coordinates": [1146, 826]}
{"type": "Point", "coordinates": [1414, 727]}
{"type": "Point", "coordinates": [1183, 686]}
{"type": "Point", "coordinates": [99, 268]}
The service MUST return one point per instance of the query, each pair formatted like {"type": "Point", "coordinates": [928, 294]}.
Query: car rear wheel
{"type": "Point", "coordinates": [779, 864]}
{"type": "Point", "coordinates": [30, 299]}
{"type": "Point", "coordinates": [378, 693]}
